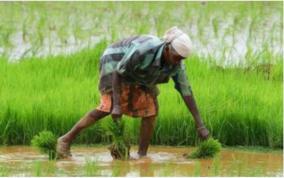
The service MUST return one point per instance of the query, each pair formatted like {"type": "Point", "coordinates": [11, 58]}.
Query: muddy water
{"type": "Point", "coordinates": [161, 161]}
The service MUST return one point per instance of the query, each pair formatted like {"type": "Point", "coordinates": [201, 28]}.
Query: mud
{"type": "Point", "coordinates": [161, 161]}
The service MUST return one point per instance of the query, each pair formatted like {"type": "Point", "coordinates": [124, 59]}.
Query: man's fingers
{"type": "Point", "coordinates": [203, 133]}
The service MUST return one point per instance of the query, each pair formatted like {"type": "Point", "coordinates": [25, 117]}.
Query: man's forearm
{"type": "Point", "coordinates": [116, 89]}
{"type": "Point", "coordinates": [191, 105]}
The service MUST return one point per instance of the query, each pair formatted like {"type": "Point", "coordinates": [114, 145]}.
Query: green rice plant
{"type": "Point", "coordinates": [99, 19]}
{"type": "Point", "coordinates": [120, 147]}
{"type": "Point", "coordinates": [215, 24]}
{"type": "Point", "coordinates": [216, 166]}
{"type": "Point", "coordinates": [63, 32]}
{"type": "Point", "coordinates": [207, 149]}
{"type": "Point", "coordinates": [167, 170]}
{"type": "Point", "coordinates": [6, 33]}
{"type": "Point", "coordinates": [49, 168]}
{"type": "Point", "coordinates": [236, 104]}
{"type": "Point", "coordinates": [43, 169]}
{"type": "Point", "coordinates": [258, 170]}
{"type": "Point", "coordinates": [116, 170]}
{"type": "Point", "coordinates": [197, 169]}
{"type": "Point", "coordinates": [45, 141]}
{"type": "Point", "coordinates": [37, 169]}
{"type": "Point", "coordinates": [4, 171]}
{"type": "Point", "coordinates": [91, 168]}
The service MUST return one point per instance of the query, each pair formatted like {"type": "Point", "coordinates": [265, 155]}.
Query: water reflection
{"type": "Point", "coordinates": [161, 161]}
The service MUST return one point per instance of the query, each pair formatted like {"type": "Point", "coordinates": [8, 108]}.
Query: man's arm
{"type": "Point", "coordinates": [183, 87]}
{"type": "Point", "coordinates": [116, 89]}
{"type": "Point", "coordinates": [191, 105]}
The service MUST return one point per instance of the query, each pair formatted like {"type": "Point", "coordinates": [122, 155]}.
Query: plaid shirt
{"type": "Point", "coordinates": [139, 60]}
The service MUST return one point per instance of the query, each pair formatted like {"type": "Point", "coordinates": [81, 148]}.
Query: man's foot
{"type": "Point", "coordinates": [141, 153]}
{"type": "Point", "coordinates": [63, 148]}
{"type": "Point", "coordinates": [142, 156]}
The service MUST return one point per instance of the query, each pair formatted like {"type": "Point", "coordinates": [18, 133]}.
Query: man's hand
{"type": "Point", "coordinates": [203, 132]}
{"type": "Point", "coordinates": [116, 113]}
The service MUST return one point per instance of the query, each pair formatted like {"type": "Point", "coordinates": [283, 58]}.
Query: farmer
{"type": "Point", "coordinates": [129, 72]}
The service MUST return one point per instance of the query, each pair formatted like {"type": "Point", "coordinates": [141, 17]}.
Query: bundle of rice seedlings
{"type": "Point", "coordinates": [120, 147]}
{"type": "Point", "coordinates": [207, 149]}
{"type": "Point", "coordinates": [45, 141]}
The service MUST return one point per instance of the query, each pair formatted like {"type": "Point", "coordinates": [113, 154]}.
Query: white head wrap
{"type": "Point", "coordinates": [179, 40]}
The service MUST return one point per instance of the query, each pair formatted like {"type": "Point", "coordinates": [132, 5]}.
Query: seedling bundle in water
{"type": "Point", "coordinates": [120, 147]}
{"type": "Point", "coordinates": [45, 141]}
{"type": "Point", "coordinates": [206, 149]}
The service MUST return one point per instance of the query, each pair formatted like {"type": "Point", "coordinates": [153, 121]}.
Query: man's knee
{"type": "Point", "coordinates": [97, 114]}
{"type": "Point", "coordinates": [149, 120]}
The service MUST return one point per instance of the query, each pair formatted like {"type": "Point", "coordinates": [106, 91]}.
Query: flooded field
{"type": "Point", "coordinates": [49, 66]}
{"type": "Point", "coordinates": [161, 161]}
{"type": "Point", "coordinates": [230, 35]}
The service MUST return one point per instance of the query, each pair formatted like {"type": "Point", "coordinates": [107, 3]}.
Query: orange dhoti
{"type": "Point", "coordinates": [135, 101]}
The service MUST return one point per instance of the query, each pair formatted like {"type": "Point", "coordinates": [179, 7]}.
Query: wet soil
{"type": "Point", "coordinates": [161, 161]}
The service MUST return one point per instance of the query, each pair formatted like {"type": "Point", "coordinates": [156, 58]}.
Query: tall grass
{"type": "Point", "coordinates": [239, 106]}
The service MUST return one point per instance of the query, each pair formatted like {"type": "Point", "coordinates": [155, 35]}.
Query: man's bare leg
{"type": "Point", "coordinates": [146, 131]}
{"type": "Point", "coordinates": [63, 143]}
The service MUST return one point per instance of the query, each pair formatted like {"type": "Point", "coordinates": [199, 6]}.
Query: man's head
{"type": "Point", "coordinates": [178, 46]}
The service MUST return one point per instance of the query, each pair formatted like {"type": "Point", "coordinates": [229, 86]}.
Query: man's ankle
{"type": "Point", "coordinates": [141, 154]}
{"type": "Point", "coordinates": [64, 139]}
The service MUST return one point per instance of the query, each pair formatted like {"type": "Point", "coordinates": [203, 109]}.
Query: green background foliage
{"type": "Point", "coordinates": [240, 105]}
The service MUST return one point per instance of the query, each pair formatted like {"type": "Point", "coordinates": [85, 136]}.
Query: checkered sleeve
{"type": "Point", "coordinates": [181, 81]}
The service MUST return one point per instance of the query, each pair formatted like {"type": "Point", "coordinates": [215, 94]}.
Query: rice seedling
{"type": "Point", "coordinates": [91, 168]}
{"type": "Point", "coordinates": [45, 141]}
{"type": "Point", "coordinates": [167, 171]}
{"type": "Point", "coordinates": [37, 169]}
{"type": "Point", "coordinates": [207, 149]}
{"type": "Point", "coordinates": [113, 25]}
{"type": "Point", "coordinates": [215, 171]}
{"type": "Point", "coordinates": [197, 169]}
{"type": "Point", "coordinates": [4, 171]}
{"type": "Point", "coordinates": [116, 170]}
{"type": "Point", "coordinates": [49, 168]}
{"type": "Point", "coordinates": [40, 169]}
{"type": "Point", "coordinates": [120, 147]}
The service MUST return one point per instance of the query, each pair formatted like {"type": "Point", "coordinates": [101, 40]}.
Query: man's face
{"type": "Point", "coordinates": [173, 57]}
